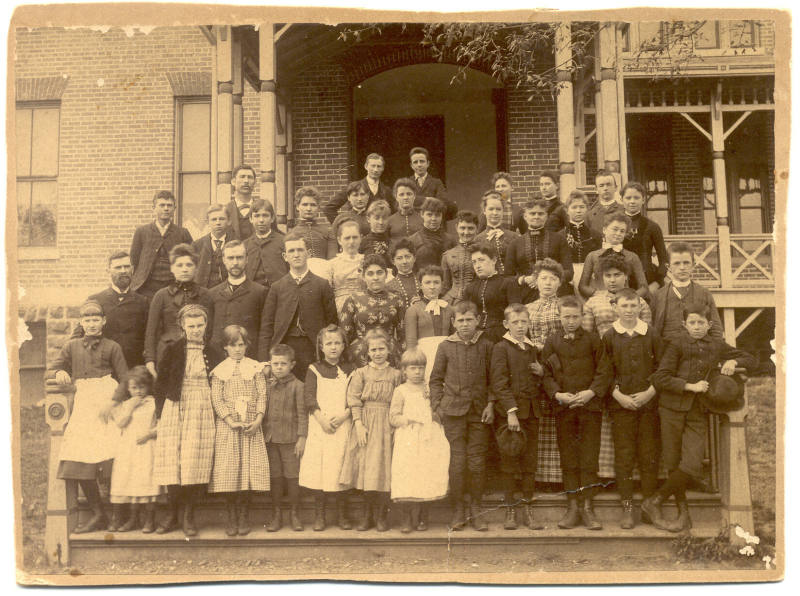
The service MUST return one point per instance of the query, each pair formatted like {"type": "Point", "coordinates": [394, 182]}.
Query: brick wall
{"type": "Point", "coordinates": [532, 141]}
{"type": "Point", "coordinates": [117, 138]}
{"type": "Point", "coordinates": [687, 143]}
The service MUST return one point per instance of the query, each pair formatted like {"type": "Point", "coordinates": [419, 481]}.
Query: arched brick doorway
{"type": "Point", "coordinates": [462, 124]}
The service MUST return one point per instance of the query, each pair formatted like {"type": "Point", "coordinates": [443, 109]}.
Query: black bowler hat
{"type": "Point", "coordinates": [725, 393]}
{"type": "Point", "coordinates": [511, 442]}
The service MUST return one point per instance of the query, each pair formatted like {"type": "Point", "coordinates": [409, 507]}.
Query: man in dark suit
{"type": "Point", "coordinates": [428, 186]}
{"type": "Point", "coordinates": [374, 165]}
{"type": "Point", "coordinates": [151, 245]}
{"type": "Point", "coordinates": [298, 305]}
{"type": "Point", "coordinates": [210, 268]}
{"type": "Point", "coordinates": [125, 310]}
{"type": "Point", "coordinates": [243, 182]}
{"type": "Point", "coordinates": [237, 300]}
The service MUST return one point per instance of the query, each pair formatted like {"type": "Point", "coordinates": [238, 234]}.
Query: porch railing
{"type": "Point", "coordinates": [751, 258]}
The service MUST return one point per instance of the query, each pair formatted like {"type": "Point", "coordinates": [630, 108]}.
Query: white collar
{"type": "Point", "coordinates": [162, 229]}
{"type": "Point", "coordinates": [237, 281]}
{"type": "Point", "coordinates": [520, 344]}
{"type": "Point", "coordinates": [682, 284]}
{"type": "Point", "coordinates": [247, 368]}
{"type": "Point", "coordinates": [265, 236]}
{"type": "Point", "coordinates": [613, 201]}
{"type": "Point", "coordinates": [379, 366]}
{"type": "Point", "coordinates": [633, 214]}
{"type": "Point", "coordinates": [577, 224]}
{"type": "Point", "coordinates": [373, 183]}
{"type": "Point", "coordinates": [615, 247]}
{"type": "Point", "coordinates": [421, 179]}
{"type": "Point", "coordinates": [118, 291]}
{"type": "Point", "coordinates": [215, 239]}
{"type": "Point", "coordinates": [299, 278]}
{"type": "Point", "coordinates": [640, 328]}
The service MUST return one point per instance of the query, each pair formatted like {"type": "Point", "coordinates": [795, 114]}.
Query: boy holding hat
{"type": "Point", "coordinates": [88, 444]}
{"type": "Point", "coordinates": [682, 380]}
{"type": "Point", "coordinates": [515, 378]}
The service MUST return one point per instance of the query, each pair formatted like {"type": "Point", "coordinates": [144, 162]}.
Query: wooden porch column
{"type": "Point", "coordinates": [62, 496]}
{"type": "Point", "coordinates": [608, 115]}
{"type": "Point", "coordinates": [721, 190]}
{"type": "Point", "coordinates": [737, 504]}
{"type": "Point", "coordinates": [598, 109]}
{"type": "Point", "coordinates": [224, 85]}
{"type": "Point", "coordinates": [282, 206]}
{"type": "Point", "coordinates": [564, 108]}
{"type": "Point", "coordinates": [580, 132]}
{"type": "Point", "coordinates": [622, 135]}
{"type": "Point", "coordinates": [268, 108]}
{"type": "Point", "coordinates": [238, 112]}
{"type": "Point", "coordinates": [289, 161]}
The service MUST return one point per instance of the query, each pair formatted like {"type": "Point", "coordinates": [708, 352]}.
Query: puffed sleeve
{"type": "Point", "coordinates": [396, 417]}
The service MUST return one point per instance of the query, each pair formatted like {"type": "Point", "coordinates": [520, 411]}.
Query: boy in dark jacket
{"type": "Point", "coordinates": [516, 376]}
{"type": "Point", "coordinates": [459, 387]}
{"type": "Point", "coordinates": [682, 383]}
{"type": "Point", "coordinates": [633, 350]}
{"type": "Point", "coordinates": [575, 379]}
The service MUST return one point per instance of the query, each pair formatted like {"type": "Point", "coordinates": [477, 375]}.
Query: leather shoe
{"type": "Point", "coordinates": [627, 522]}
{"type": "Point", "coordinates": [571, 517]}
{"type": "Point", "coordinates": [511, 518]}
{"type": "Point", "coordinates": [476, 518]}
{"type": "Point", "coordinates": [530, 520]}
{"type": "Point", "coordinates": [589, 518]}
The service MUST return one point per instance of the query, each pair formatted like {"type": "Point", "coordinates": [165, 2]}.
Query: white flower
{"type": "Point", "coordinates": [745, 535]}
{"type": "Point", "coordinates": [740, 532]}
{"type": "Point", "coordinates": [768, 561]}
{"type": "Point", "coordinates": [747, 550]}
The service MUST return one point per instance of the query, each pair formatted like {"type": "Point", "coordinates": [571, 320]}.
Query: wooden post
{"type": "Point", "coordinates": [737, 505]}
{"type": "Point", "coordinates": [580, 133]}
{"type": "Point", "coordinates": [598, 108]}
{"type": "Point", "coordinates": [564, 107]}
{"type": "Point", "coordinates": [623, 129]}
{"type": "Point", "coordinates": [281, 206]}
{"type": "Point", "coordinates": [720, 188]}
{"type": "Point", "coordinates": [62, 496]}
{"type": "Point", "coordinates": [238, 94]}
{"type": "Point", "coordinates": [289, 161]}
{"type": "Point", "coordinates": [608, 90]}
{"type": "Point", "coordinates": [729, 325]}
{"type": "Point", "coordinates": [266, 73]}
{"type": "Point", "coordinates": [224, 84]}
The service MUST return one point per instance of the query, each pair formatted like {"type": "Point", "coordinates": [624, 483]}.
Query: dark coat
{"type": "Point", "coordinates": [265, 263]}
{"type": "Point", "coordinates": [572, 365]}
{"type": "Point", "coordinates": [460, 376]}
{"type": "Point", "coordinates": [697, 296]}
{"type": "Point", "coordinates": [631, 363]}
{"type": "Point", "coordinates": [553, 245]}
{"type": "Point", "coordinates": [433, 187]}
{"type": "Point", "coordinates": [648, 237]}
{"type": "Point", "coordinates": [338, 200]}
{"type": "Point", "coordinates": [513, 383]}
{"type": "Point", "coordinates": [242, 307]}
{"type": "Point", "coordinates": [313, 302]}
{"type": "Point", "coordinates": [518, 223]}
{"type": "Point", "coordinates": [147, 241]}
{"type": "Point", "coordinates": [126, 321]}
{"type": "Point", "coordinates": [205, 252]}
{"type": "Point", "coordinates": [171, 368]}
{"type": "Point", "coordinates": [232, 211]}
{"type": "Point", "coordinates": [688, 360]}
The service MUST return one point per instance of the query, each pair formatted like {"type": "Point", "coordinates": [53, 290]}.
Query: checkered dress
{"type": "Point", "coordinates": [185, 443]}
{"type": "Point", "coordinates": [240, 460]}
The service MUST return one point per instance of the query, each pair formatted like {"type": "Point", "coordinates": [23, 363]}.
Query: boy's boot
{"type": "Point", "coordinates": [422, 523]}
{"type": "Point", "coordinates": [511, 518]}
{"type": "Point", "coordinates": [189, 527]}
{"type": "Point", "coordinates": [149, 525]}
{"type": "Point", "coordinates": [407, 523]}
{"type": "Point", "coordinates": [231, 527]}
{"type": "Point", "coordinates": [588, 517]}
{"type": "Point", "coordinates": [458, 521]}
{"type": "Point", "coordinates": [170, 523]}
{"type": "Point", "coordinates": [381, 512]}
{"type": "Point", "coordinates": [684, 522]}
{"type": "Point", "coordinates": [651, 507]}
{"type": "Point", "coordinates": [627, 522]}
{"type": "Point", "coordinates": [476, 516]}
{"type": "Point", "coordinates": [571, 517]}
{"type": "Point", "coordinates": [133, 519]}
{"type": "Point", "coordinates": [98, 521]}
{"type": "Point", "coordinates": [116, 518]}
{"type": "Point", "coordinates": [319, 511]}
{"type": "Point", "coordinates": [530, 519]}
{"type": "Point", "coordinates": [276, 487]}
{"type": "Point", "coordinates": [366, 513]}
{"type": "Point", "coordinates": [294, 501]}
{"type": "Point", "coordinates": [342, 518]}
{"type": "Point", "coordinates": [243, 509]}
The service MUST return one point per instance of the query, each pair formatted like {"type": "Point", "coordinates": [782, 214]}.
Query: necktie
{"type": "Point", "coordinates": [218, 244]}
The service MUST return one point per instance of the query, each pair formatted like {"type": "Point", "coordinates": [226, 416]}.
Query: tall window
{"type": "Point", "coordinates": [657, 202]}
{"type": "Point", "coordinates": [37, 127]}
{"type": "Point", "coordinates": [749, 198]}
{"type": "Point", "coordinates": [193, 161]}
{"type": "Point", "coordinates": [743, 34]}
{"type": "Point", "coordinates": [709, 206]}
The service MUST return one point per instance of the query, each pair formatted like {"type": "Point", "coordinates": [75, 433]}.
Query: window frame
{"type": "Point", "coordinates": [181, 101]}
{"type": "Point", "coordinates": [724, 47]}
{"type": "Point", "coordinates": [27, 251]}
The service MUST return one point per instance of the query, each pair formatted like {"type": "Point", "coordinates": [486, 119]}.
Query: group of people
{"type": "Point", "coordinates": [375, 352]}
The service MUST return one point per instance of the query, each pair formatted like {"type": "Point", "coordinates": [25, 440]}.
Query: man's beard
{"type": "Point", "coordinates": [235, 272]}
{"type": "Point", "coordinates": [122, 281]}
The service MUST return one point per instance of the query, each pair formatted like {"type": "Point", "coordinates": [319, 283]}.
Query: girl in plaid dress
{"type": "Point", "coordinates": [239, 397]}
{"type": "Point", "coordinates": [185, 441]}
{"type": "Point", "coordinates": [546, 320]}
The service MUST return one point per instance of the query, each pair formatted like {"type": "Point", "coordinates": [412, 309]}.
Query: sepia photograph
{"type": "Point", "coordinates": [326, 293]}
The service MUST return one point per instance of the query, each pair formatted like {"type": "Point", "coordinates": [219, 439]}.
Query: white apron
{"type": "Point", "coordinates": [322, 459]}
{"type": "Point", "coordinates": [429, 346]}
{"type": "Point", "coordinates": [87, 439]}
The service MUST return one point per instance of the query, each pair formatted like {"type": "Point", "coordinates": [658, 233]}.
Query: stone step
{"type": "Point", "coordinates": [212, 543]}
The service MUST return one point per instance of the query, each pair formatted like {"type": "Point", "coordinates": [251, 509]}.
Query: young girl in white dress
{"type": "Point", "coordinates": [132, 475]}
{"type": "Point", "coordinates": [421, 456]}
{"type": "Point", "coordinates": [329, 425]}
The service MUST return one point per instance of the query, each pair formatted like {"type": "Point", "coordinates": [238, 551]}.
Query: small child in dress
{"type": "Point", "coordinates": [89, 362]}
{"type": "Point", "coordinates": [329, 425]}
{"type": "Point", "coordinates": [421, 455]}
{"type": "Point", "coordinates": [285, 430]}
{"type": "Point", "coordinates": [368, 459]}
{"type": "Point", "coordinates": [239, 397]}
{"type": "Point", "coordinates": [132, 476]}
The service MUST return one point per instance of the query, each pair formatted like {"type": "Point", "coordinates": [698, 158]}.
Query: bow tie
{"type": "Point", "coordinates": [435, 306]}
{"type": "Point", "coordinates": [494, 233]}
{"type": "Point", "coordinates": [244, 210]}
{"type": "Point", "coordinates": [569, 336]}
{"type": "Point", "coordinates": [91, 341]}
{"type": "Point", "coordinates": [614, 247]}
{"type": "Point", "coordinates": [535, 232]}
